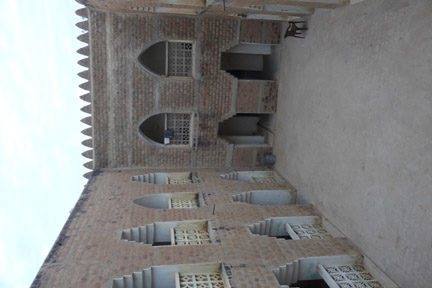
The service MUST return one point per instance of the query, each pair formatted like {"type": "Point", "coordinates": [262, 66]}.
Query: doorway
{"type": "Point", "coordinates": [247, 129]}
{"type": "Point", "coordinates": [251, 61]}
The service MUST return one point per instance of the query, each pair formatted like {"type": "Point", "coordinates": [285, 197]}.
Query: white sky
{"type": "Point", "coordinates": [40, 141]}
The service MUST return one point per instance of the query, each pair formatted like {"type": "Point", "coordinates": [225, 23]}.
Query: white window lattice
{"type": "Point", "coordinates": [179, 124]}
{"type": "Point", "coordinates": [266, 180]}
{"type": "Point", "coordinates": [179, 59]}
{"type": "Point", "coordinates": [191, 234]}
{"type": "Point", "coordinates": [179, 178]}
{"type": "Point", "coordinates": [310, 231]}
{"type": "Point", "coordinates": [352, 276]}
{"type": "Point", "coordinates": [174, 180]}
{"type": "Point", "coordinates": [183, 203]}
{"type": "Point", "coordinates": [200, 280]}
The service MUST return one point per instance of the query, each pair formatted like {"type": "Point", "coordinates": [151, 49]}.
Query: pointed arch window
{"type": "Point", "coordinates": [168, 178]}
{"type": "Point", "coordinates": [169, 58]}
{"type": "Point", "coordinates": [168, 129]}
{"type": "Point", "coordinates": [177, 200]}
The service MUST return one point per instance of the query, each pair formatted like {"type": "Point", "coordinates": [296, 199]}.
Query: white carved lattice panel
{"type": "Point", "coordinates": [352, 276]}
{"type": "Point", "coordinates": [179, 124]}
{"type": "Point", "coordinates": [180, 59]}
{"type": "Point", "coordinates": [266, 180]}
{"type": "Point", "coordinates": [175, 180]}
{"type": "Point", "coordinates": [201, 280]}
{"type": "Point", "coordinates": [183, 203]}
{"type": "Point", "coordinates": [191, 234]}
{"type": "Point", "coordinates": [310, 231]}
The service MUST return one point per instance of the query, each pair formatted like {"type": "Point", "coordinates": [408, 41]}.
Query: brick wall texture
{"type": "Point", "coordinates": [124, 93]}
{"type": "Point", "coordinates": [89, 251]}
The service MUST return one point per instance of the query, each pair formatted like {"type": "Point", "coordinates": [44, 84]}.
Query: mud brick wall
{"type": "Point", "coordinates": [256, 96]}
{"type": "Point", "coordinates": [89, 251]}
{"type": "Point", "coordinates": [124, 93]}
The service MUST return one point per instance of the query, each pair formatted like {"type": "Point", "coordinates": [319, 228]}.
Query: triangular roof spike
{"type": "Point", "coordinates": [84, 37]}
{"type": "Point", "coordinates": [86, 97]}
{"type": "Point", "coordinates": [88, 154]}
{"type": "Point", "coordinates": [84, 62]}
{"type": "Point", "coordinates": [87, 120]}
{"type": "Point", "coordinates": [88, 175]}
{"type": "Point", "coordinates": [83, 12]}
{"type": "Point", "coordinates": [88, 143]}
{"type": "Point", "coordinates": [84, 74]}
{"type": "Point", "coordinates": [85, 86]}
{"type": "Point", "coordinates": [83, 25]}
{"type": "Point", "coordinates": [89, 165]}
{"type": "Point", "coordinates": [86, 109]}
{"type": "Point", "coordinates": [84, 51]}
{"type": "Point", "coordinates": [87, 131]}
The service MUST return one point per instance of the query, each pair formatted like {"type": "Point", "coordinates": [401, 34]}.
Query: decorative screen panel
{"type": "Point", "coordinates": [352, 276]}
{"type": "Point", "coordinates": [191, 234]}
{"type": "Point", "coordinates": [174, 180]}
{"type": "Point", "coordinates": [310, 231]}
{"type": "Point", "coordinates": [179, 124]}
{"type": "Point", "coordinates": [183, 203]}
{"type": "Point", "coordinates": [201, 280]}
{"type": "Point", "coordinates": [179, 178]}
{"type": "Point", "coordinates": [267, 180]}
{"type": "Point", "coordinates": [180, 59]}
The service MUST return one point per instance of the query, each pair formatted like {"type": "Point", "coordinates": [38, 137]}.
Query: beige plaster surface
{"type": "Point", "coordinates": [354, 129]}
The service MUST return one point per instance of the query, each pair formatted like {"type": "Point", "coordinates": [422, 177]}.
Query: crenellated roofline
{"type": "Point", "coordinates": [85, 74]}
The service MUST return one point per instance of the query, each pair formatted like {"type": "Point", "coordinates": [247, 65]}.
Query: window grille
{"type": "Point", "coordinates": [266, 180]}
{"type": "Point", "coordinates": [174, 180]}
{"type": "Point", "coordinates": [183, 203]}
{"type": "Point", "coordinates": [191, 234]}
{"type": "Point", "coordinates": [179, 178]}
{"type": "Point", "coordinates": [199, 280]}
{"type": "Point", "coordinates": [179, 58]}
{"type": "Point", "coordinates": [179, 124]}
{"type": "Point", "coordinates": [184, 200]}
{"type": "Point", "coordinates": [310, 231]}
{"type": "Point", "coordinates": [347, 276]}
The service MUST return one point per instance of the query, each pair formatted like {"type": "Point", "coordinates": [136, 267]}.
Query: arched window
{"type": "Point", "coordinates": [168, 129]}
{"type": "Point", "coordinates": [168, 178]}
{"type": "Point", "coordinates": [169, 58]}
{"type": "Point", "coordinates": [178, 200]}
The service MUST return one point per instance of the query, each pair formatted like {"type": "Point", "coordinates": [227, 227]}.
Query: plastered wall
{"type": "Point", "coordinates": [355, 137]}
